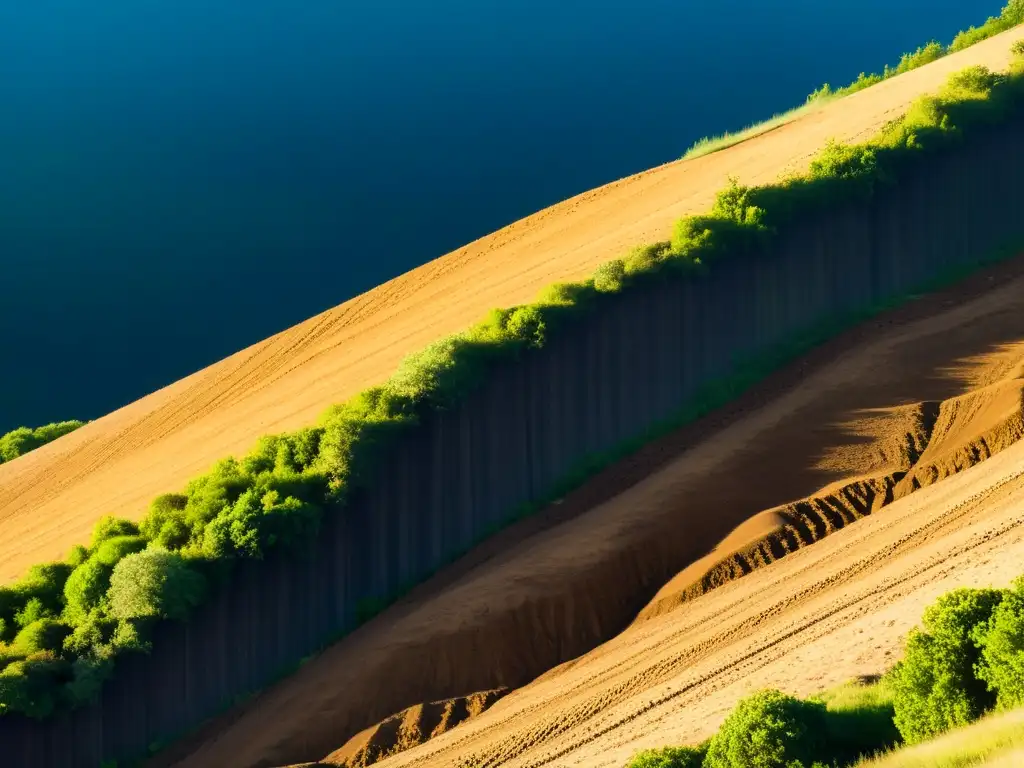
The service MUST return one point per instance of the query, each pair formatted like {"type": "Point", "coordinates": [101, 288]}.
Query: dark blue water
{"type": "Point", "coordinates": [181, 178]}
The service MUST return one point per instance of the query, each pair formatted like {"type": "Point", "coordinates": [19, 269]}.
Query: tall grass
{"type": "Point", "coordinates": [996, 737]}
{"type": "Point", "coordinates": [64, 625]}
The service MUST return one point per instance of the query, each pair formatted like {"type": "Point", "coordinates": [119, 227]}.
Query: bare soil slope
{"type": "Point", "coordinates": [934, 385]}
{"type": "Point", "coordinates": [50, 498]}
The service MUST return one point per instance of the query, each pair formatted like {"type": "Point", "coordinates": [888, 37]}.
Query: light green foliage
{"type": "Point", "coordinates": [769, 730]}
{"type": "Point", "coordinates": [42, 635]}
{"type": "Point", "coordinates": [1013, 13]}
{"type": "Point", "coordinates": [669, 757]}
{"type": "Point", "coordinates": [935, 687]}
{"type": "Point", "coordinates": [86, 590]}
{"type": "Point", "coordinates": [112, 551]}
{"type": "Point", "coordinates": [20, 441]}
{"type": "Point", "coordinates": [111, 527]}
{"type": "Point", "coordinates": [1002, 655]}
{"type": "Point", "coordinates": [154, 584]}
{"type": "Point", "coordinates": [609, 276]}
{"type": "Point", "coordinates": [78, 555]}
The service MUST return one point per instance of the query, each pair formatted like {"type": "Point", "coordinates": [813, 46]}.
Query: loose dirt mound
{"type": "Point", "coordinates": [861, 409]}
{"type": "Point", "coordinates": [50, 499]}
{"type": "Point", "coordinates": [409, 728]}
{"type": "Point", "coordinates": [958, 434]}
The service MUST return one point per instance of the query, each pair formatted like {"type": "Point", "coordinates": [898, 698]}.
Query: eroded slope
{"type": "Point", "coordinates": [909, 389]}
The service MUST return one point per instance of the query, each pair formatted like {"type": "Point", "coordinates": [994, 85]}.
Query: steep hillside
{"type": "Point", "coordinates": [923, 392]}
{"type": "Point", "coordinates": [50, 498]}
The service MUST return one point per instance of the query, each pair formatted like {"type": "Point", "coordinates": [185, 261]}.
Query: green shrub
{"type": "Point", "coordinates": [935, 687]}
{"type": "Point", "coordinates": [77, 556]}
{"type": "Point", "coordinates": [670, 757]}
{"type": "Point", "coordinates": [1013, 13]}
{"type": "Point", "coordinates": [86, 590]}
{"type": "Point", "coordinates": [33, 611]}
{"type": "Point", "coordinates": [1002, 649]}
{"type": "Point", "coordinates": [111, 551]}
{"type": "Point", "coordinates": [154, 584]}
{"type": "Point", "coordinates": [42, 635]}
{"type": "Point", "coordinates": [31, 686]}
{"type": "Point", "coordinates": [20, 441]}
{"type": "Point", "coordinates": [609, 276]}
{"type": "Point", "coordinates": [109, 527]}
{"type": "Point", "coordinates": [769, 730]}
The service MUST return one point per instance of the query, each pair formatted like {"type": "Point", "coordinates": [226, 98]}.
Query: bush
{"type": "Point", "coordinates": [20, 441]}
{"type": "Point", "coordinates": [154, 584]}
{"type": "Point", "coordinates": [31, 686]}
{"type": "Point", "coordinates": [86, 590]}
{"type": "Point", "coordinates": [769, 730]}
{"type": "Point", "coordinates": [670, 757]}
{"type": "Point", "coordinates": [935, 687]}
{"type": "Point", "coordinates": [112, 527]}
{"type": "Point", "coordinates": [42, 635]}
{"type": "Point", "coordinates": [1002, 654]}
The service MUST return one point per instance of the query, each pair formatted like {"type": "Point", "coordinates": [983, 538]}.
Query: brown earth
{"type": "Point", "coordinates": [50, 498]}
{"type": "Point", "coordinates": [408, 728]}
{"type": "Point", "coordinates": [932, 385]}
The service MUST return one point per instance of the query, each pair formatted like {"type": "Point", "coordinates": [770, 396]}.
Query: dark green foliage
{"type": "Point", "coordinates": [20, 441]}
{"type": "Point", "coordinates": [112, 551]}
{"type": "Point", "coordinates": [935, 687]}
{"type": "Point", "coordinates": [769, 730]}
{"type": "Point", "coordinates": [32, 686]}
{"type": "Point", "coordinates": [1002, 655]}
{"type": "Point", "coordinates": [670, 757]}
{"type": "Point", "coordinates": [154, 584]}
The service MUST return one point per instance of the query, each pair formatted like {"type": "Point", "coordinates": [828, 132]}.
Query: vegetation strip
{"type": "Point", "coordinates": [65, 623]}
{"type": "Point", "coordinates": [1011, 15]}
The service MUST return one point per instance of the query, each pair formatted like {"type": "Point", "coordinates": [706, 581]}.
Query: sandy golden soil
{"type": "Point", "coordinates": [912, 397]}
{"type": "Point", "coordinates": [816, 618]}
{"type": "Point", "coordinates": [50, 499]}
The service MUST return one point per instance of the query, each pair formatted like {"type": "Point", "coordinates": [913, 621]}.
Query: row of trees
{"type": "Point", "coordinates": [63, 626]}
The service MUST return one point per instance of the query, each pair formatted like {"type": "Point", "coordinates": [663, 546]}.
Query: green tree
{"type": "Point", "coordinates": [935, 686]}
{"type": "Point", "coordinates": [669, 757]}
{"type": "Point", "coordinates": [769, 730]}
{"type": "Point", "coordinates": [154, 584]}
{"type": "Point", "coordinates": [1002, 649]}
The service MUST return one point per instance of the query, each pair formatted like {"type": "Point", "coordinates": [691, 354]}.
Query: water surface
{"type": "Point", "coordinates": [182, 178]}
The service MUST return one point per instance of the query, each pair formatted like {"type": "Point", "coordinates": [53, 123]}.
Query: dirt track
{"type": "Point", "coordinates": [50, 499]}
{"type": "Point", "coordinates": [850, 412]}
